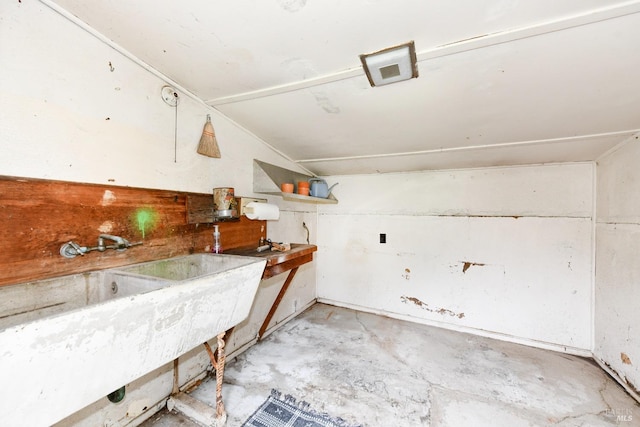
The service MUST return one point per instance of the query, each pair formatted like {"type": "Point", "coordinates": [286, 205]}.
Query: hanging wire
{"type": "Point", "coordinates": [175, 135]}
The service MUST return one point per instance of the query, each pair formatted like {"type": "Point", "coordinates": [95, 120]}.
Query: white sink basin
{"type": "Point", "coordinates": [44, 298]}
{"type": "Point", "coordinates": [126, 321]}
{"type": "Point", "coordinates": [187, 267]}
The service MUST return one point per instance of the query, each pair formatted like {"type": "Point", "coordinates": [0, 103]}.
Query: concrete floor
{"type": "Point", "coordinates": [383, 372]}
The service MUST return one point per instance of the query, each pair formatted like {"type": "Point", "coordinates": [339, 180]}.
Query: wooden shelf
{"type": "Point", "coordinates": [277, 263]}
{"type": "Point", "coordinates": [293, 197]}
{"type": "Point", "coordinates": [267, 179]}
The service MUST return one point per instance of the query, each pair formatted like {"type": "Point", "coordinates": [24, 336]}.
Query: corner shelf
{"type": "Point", "coordinates": [267, 179]}
{"type": "Point", "coordinates": [293, 197]}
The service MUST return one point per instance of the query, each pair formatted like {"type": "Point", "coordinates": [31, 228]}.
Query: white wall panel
{"type": "Point", "coordinates": [553, 190]}
{"type": "Point", "coordinates": [526, 277]}
{"type": "Point", "coordinates": [504, 250]}
{"type": "Point", "coordinates": [617, 292]}
{"type": "Point", "coordinates": [73, 108]}
{"type": "Point", "coordinates": [618, 181]}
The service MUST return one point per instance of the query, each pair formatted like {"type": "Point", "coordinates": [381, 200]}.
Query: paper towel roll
{"type": "Point", "coordinates": [264, 211]}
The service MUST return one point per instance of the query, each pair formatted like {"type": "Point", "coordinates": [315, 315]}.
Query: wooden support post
{"type": "Point", "coordinates": [276, 303]}
{"type": "Point", "coordinates": [176, 385]}
{"type": "Point", "coordinates": [212, 355]}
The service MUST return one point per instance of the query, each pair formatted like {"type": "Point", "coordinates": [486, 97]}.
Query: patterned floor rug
{"type": "Point", "coordinates": [277, 411]}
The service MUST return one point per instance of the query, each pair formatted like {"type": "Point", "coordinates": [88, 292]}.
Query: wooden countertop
{"type": "Point", "coordinates": [279, 262]}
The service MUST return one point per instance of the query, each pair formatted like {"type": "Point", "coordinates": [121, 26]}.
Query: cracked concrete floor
{"type": "Point", "coordinates": [378, 371]}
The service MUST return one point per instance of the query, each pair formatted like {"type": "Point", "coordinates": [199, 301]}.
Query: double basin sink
{"type": "Point", "coordinates": [67, 342]}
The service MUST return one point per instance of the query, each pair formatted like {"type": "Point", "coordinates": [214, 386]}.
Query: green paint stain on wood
{"type": "Point", "coordinates": [146, 220]}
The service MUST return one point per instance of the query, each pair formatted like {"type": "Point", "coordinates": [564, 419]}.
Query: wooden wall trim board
{"type": "Point", "coordinates": [38, 216]}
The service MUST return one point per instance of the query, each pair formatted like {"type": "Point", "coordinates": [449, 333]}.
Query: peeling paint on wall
{"type": "Point", "coordinates": [617, 374]}
{"type": "Point", "coordinates": [631, 385]}
{"type": "Point", "coordinates": [407, 274]}
{"type": "Point", "coordinates": [625, 359]}
{"type": "Point", "coordinates": [467, 264]}
{"type": "Point", "coordinates": [138, 407]}
{"type": "Point", "coordinates": [425, 306]}
{"type": "Point", "coordinates": [106, 227]}
{"type": "Point", "coordinates": [292, 5]}
{"type": "Point", "coordinates": [108, 198]}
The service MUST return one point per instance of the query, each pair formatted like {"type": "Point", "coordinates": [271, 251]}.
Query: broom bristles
{"type": "Point", "coordinates": [208, 145]}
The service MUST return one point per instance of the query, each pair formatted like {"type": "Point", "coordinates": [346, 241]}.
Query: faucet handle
{"type": "Point", "coordinates": [125, 244]}
{"type": "Point", "coordinates": [72, 249]}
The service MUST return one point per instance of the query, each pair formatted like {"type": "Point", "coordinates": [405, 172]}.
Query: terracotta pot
{"type": "Point", "coordinates": [287, 187]}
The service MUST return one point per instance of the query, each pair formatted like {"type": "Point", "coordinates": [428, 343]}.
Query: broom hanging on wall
{"type": "Point", "coordinates": [208, 145]}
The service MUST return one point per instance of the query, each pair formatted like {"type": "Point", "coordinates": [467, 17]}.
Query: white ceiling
{"type": "Point", "coordinates": [501, 82]}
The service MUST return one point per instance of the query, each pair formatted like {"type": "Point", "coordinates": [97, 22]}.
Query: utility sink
{"type": "Point", "coordinates": [97, 332]}
{"type": "Point", "coordinates": [189, 267]}
{"type": "Point", "coordinates": [154, 275]}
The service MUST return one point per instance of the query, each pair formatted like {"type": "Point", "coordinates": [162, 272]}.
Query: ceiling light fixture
{"type": "Point", "coordinates": [390, 65]}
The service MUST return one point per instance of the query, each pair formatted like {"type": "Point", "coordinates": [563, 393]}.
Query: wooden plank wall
{"type": "Point", "coordinates": [38, 216]}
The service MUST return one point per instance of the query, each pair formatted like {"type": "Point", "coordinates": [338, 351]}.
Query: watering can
{"type": "Point", "coordinates": [319, 188]}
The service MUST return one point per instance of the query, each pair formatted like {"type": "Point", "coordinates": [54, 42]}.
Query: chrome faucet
{"type": "Point", "coordinates": [72, 249]}
{"type": "Point", "coordinates": [121, 244]}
